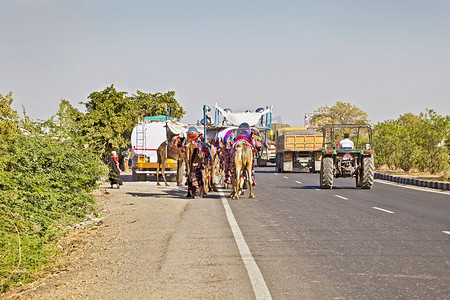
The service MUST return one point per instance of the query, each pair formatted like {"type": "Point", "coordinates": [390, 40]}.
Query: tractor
{"type": "Point", "coordinates": [347, 158]}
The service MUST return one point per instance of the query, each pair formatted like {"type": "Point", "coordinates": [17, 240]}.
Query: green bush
{"type": "Point", "coordinates": [45, 184]}
{"type": "Point", "coordinates": [414, 142]}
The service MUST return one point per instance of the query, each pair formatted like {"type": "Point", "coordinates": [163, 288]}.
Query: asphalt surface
{"type": "Point", "coordinates": [293, 241]}
{"type": "Point", "coordinates": [389, 242]}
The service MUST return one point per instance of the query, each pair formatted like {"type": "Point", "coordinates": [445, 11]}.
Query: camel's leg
{"type": "Point", "coordinates": [157, 172]}
{"type": "Point", "coordinates": [214, 169]}
{"type": "Point", "coordinates": [179, 165]}
{"type": "Point", "coordinates": [163, 168]}
{"type": "Point", "coordinates": [233, 186]}
{"type": "Point", "coordinates": [205, 182]}
{"type": "Point", "coordinates": [233, 183]}
{"type": "Point", "coordinates": [233, 189]}
{"type": "Point", "coordinates": [187, 159]}
{"type": "Point", "coordinates": [250, 180]}
{"type": "Point", "coordinates": [210, 178]}
{"type": "Point", "coordinates": [238, 181]}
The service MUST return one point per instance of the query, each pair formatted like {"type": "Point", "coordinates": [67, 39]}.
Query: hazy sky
{"type": "Point", "coordinates": [387, 57]}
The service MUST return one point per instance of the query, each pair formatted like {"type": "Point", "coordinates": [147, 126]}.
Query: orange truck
{"type": "Point", "coordinates": [298, 148]}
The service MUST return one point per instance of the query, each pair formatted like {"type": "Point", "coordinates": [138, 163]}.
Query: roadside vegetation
{"type": "Point", "coordinates": [410, 143]}
{"type": "Point", "coordinates": [414, 143]}
{"type": "Point", "coordinates": [49, 169]}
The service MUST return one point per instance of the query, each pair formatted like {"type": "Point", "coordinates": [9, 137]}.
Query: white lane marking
{"type": "Point", "coordinates": [259, 285]}
{"type": "Point", "coordinates": [385, 210]}
{"type": "Point", "coordinates": [285, 177]}
{"type": "Point", "coordinates": [413, 187]}
{"type": "Point", "coordinates": [341, 197]}
{"type": "Point", "coordinates": [298, 182]}
{"type": "Point", "coordinates": [276, 173]}
{"type": "Point", "coordinates": [447, 232]}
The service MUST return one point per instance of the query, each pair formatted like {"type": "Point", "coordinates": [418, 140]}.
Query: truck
{"type": "Point", "coordinates": [146, 137]}
{"type": "Point", "coordinates": [298, 148]}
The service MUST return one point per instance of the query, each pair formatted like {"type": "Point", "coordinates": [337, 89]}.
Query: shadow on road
{"type": "Point", "coordinates": [306, 187]}
{"type": "Point", "coordinates": [163, 194]}
{"type": "Point", "coordinates": [264, 171]}
{"type": "Point", "coordinates": [172, 193]}
{"type": "Point", "coordinates": [313, 187]}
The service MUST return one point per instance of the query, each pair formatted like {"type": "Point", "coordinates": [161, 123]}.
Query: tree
{"type": "Point", "coordinates": [9, 119]}
{"type": "Point", "coordinates": [112, 115]}
{"type": "Point", "coordinates": [414, 142]}
{"type": "Point", "coordinates": [409, 119]}
{"type": "Point", "coordinates": [339, 113]}
{"type": "Point", "coordinates": [432, 136]}
{"type": "Point", "coordinates": [156, 104]}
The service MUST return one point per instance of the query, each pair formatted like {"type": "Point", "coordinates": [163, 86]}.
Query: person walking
{"type": "Point", "coordinates": [195, 176]}
{"type": "Point", "coordinates": [114, 170]}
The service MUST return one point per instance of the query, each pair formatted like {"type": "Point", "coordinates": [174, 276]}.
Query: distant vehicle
{"type": "Point", "coordinates": [146, 137]}
{"type": "Point", "coordinates": [272, 150]}
{"type": "Point", "coordinates": [347, 162]}
{"type": "Point", "coordinates": [298, 148]}
{"type": "Point", "coordinates": [266, 155]}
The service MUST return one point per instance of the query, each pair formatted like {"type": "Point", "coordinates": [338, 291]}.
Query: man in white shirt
{"type": "Point", "coordinates": [346, 143]}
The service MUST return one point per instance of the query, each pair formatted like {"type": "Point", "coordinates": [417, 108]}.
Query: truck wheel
{"type": "Point", "coordinates": [278, 164]}
{"type": "Point", "coordinates": [326, 173]}
{"type": "Point", "coordinates": [171, 177]}
{"type": "Point", "coordinates": [367, 172]}
{"type": "Point", "coordinates": [261, 162]}
{"type": "Point", "coordinates": [135, 176]}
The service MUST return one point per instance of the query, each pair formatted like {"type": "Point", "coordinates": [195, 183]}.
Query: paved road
{"type": "Point", "coordinates": [386, 243]}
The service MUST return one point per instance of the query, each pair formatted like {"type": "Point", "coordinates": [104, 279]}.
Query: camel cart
{"type": "Point", "coordinates": [261, 120]}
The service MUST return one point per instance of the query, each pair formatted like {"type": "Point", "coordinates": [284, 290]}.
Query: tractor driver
{"type": "Point", "coordinates": [346, 143]}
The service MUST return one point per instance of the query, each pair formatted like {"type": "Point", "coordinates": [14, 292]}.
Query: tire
{"type": "Point", "coordinates": [313, 168]}
{"type": "Point", "coordinates": [261, 162]}
{"type": "Point", "coordinates": [326, 173]}
{"type": "Point", "coordinates": [278, 166]}
{"type": "Point", "coordinates": [367, 172]}
{"type": "Point", "coordinates": [171, 177]}
{"type": "Point", "coordinates": [134, 176]}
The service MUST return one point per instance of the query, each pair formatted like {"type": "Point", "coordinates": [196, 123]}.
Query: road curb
{"type": "Point", "coordinates": [412, 181]}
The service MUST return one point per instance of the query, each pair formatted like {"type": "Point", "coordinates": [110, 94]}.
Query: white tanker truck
{"type": "Point", "coordinates": [146, 137]}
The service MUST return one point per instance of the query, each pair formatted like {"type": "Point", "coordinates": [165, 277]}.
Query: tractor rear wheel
{"type": "Point", "coordinates": [326, 173]}
{"type": "Point", "coordinates": [367, 172]}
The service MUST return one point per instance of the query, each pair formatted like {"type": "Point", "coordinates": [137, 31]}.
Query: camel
{"type": "Point", "coordinates": [243, 160]}
{"type": "Point", "coordinates": [174, 152]}
{"type": "Point", "coordinates": [210, 165]}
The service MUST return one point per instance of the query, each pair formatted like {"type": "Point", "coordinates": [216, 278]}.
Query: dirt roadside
{"type": "Point", "coordinates": [153, 243]}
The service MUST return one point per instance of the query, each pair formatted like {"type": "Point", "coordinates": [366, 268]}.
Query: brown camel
{"type": "Point", "coordinates": [173, 152]}
{"type": "Point", "coordinates": [243, 160]}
